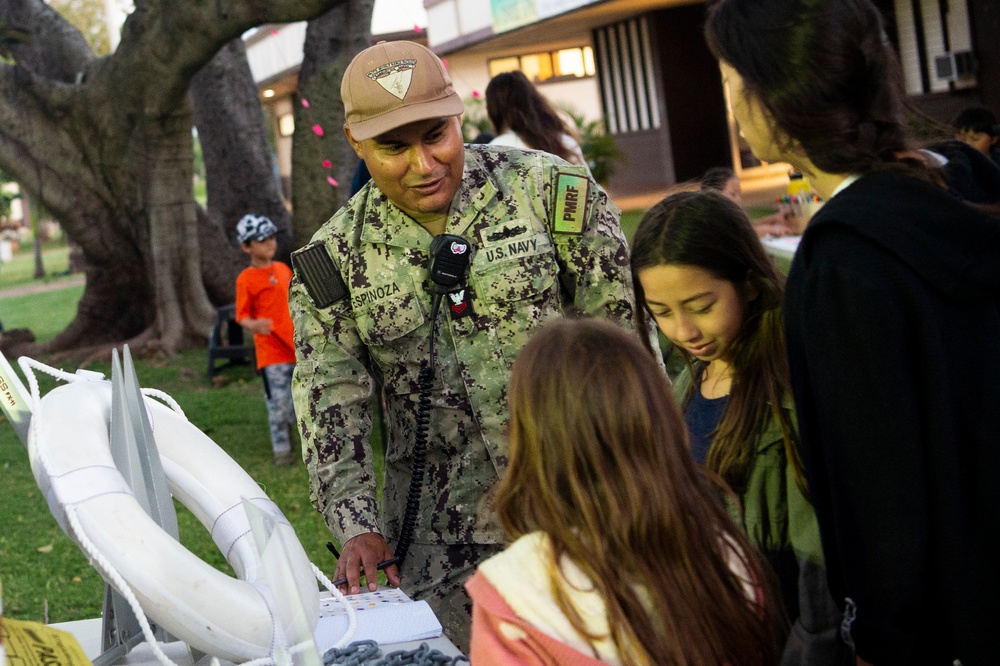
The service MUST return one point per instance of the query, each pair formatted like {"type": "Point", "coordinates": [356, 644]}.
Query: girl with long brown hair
{"type": "Point", "coordinates": [700, 271]}
{"type": "Point", "coordinates": [621, 552]}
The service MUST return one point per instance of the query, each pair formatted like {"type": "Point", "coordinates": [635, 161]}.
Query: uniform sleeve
{"type": "Point", "coordinates": [594, 265]}
{"type": "Point", "coordinates": [332, 389]}
{"type": "Point", "coordinates": [853, 368]}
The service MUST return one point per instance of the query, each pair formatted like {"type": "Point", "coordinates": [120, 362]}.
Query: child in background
{"type": "Point", "coordinates": [978, 127]}
{"type": "Point", "coordinates": [701, 273]}
{"type": "Point", "coordinates": [724, 181]}
{"type": "Point", "coordinates": [262, 308]}
{"type": "Point", "coordinates": [620, 552]}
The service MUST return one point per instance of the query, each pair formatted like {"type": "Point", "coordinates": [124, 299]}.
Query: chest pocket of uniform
{"type": "Point", "coordinates": [389, 318]}
{"type": "Point", "coordinates": [521, 295]}
{"type": "Point", "coordinates": [517, 279]}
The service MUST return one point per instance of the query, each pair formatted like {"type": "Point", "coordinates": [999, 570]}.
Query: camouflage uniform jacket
{"type": "Point", "coordinates": [521, 277]}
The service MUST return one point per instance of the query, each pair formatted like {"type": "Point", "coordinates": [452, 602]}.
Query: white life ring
{"type": "Point", "coordinates": [228, 617]}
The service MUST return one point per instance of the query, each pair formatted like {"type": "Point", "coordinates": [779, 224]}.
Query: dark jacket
{"type": "Point", "coordinates": [893, 329]}
{"type": "Point", "coordinates": [970, 175]}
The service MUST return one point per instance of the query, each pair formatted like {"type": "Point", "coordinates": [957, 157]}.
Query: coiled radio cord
{"type": "Point", "coordinates": [419, 461]}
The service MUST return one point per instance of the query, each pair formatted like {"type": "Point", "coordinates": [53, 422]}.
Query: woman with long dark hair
{"type": "Point", "coordinates": [523, 118]}
{"type": "Point", "coordinates": [621, 554]}
{"type": "Point", "coordinates": [892, 321]}
{"type": "Point", "coordinates": [700, 272]}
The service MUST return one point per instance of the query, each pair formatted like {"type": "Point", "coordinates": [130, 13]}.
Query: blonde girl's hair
{"type": "Point", "coordinates": [708, 231]}
{"type": "Point", "coordinates": [600, 463]}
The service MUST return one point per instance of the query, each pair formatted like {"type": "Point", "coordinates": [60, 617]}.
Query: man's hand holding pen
{"type": "Point", "coordinates": [363, 556]}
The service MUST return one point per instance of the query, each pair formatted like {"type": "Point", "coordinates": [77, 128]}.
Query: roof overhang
{"type": "Point", "coordinates": [556, 32]}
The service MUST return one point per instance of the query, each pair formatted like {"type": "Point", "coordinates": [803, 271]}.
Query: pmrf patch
{"type": "Point", "coordinates": [569, 215]}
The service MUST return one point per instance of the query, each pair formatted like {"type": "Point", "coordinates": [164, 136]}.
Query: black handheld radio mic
{"type": "Point", "coordinates": [449, 262]}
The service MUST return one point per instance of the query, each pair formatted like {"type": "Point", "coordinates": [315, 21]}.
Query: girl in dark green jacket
{"type": "Point", "coordinates": [701, 273]}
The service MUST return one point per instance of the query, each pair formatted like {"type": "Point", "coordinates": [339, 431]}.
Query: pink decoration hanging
{"type": "Point", "coordinates": [332, 181]}
{"type": "Point", "coordinates": [476, 94]}
{"type": "Point", "coordinates": [417, 29]}
{"type": "Point", "coordinates": [327, 164]}
{"type": "Point", "coordinates": [317, 130]}
{"type": "Point", "coordinates": [305, 102]}
{"type": "Point", "coordinates": [274, 31]}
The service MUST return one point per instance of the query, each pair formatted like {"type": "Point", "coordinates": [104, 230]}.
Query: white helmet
{"type": "Point", "coordinates": [254, 227]}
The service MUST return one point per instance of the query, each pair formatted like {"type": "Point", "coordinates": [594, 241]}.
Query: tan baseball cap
{"type": "Point", "coordinates": [392, 84]}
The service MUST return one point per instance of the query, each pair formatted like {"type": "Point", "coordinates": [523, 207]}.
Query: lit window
{"type": "Point", "coordinates": [569, 62]}
{"type": "Point", "coordinates": [268, 93]}
{"type": "Point", "coordinates": [501, 65]}
{"type": "Point", "coordinates": [539, 67]}
{"type": "Point", "coordinates": [286, 125]}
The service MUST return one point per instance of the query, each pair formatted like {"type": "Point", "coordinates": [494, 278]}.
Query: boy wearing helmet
{"type": "Point", "coordinates": [262, 308]}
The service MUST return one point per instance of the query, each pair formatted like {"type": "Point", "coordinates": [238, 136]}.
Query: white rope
{"type": "Point", "coordinates": [157, 393]}
{"type": "Point", "coordinates": [29, 366]}
{"type": "Point", "coordinates": [352, 618]}
{"type": "Point", "coordinates": [120, 584]}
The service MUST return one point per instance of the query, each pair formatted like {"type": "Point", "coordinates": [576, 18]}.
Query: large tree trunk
{"type": "Point", "coordinates": [238, 163]}
{"type": "Point", "coordinates": [105, 146]}
{"type": "Point", "coordinates": [332, 40]}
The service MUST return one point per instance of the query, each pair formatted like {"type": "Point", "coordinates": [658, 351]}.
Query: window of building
{"type": "Point", "coordinates": [571, 63]}
{"type": "Point", "coordinates": [286, 124]}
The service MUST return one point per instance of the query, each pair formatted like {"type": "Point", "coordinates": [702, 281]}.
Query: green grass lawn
{"type": "Point", "coordinates": [20, 270]}
{"type": "Point", "coordinates": [46, 313]}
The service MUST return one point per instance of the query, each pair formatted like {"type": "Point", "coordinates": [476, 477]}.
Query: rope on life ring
{"type": "Point", "coordinates": [232, 618]}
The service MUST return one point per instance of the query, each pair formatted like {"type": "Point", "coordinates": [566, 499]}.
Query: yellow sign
{"type": "Point", "coordinates": [37, 644]}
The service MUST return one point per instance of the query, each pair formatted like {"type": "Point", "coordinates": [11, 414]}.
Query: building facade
{"type": "Point", "coordinates": [642, 67]}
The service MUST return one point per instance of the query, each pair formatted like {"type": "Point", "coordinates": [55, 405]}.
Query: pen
{"type": "Point", "coordinates": [381, 565]}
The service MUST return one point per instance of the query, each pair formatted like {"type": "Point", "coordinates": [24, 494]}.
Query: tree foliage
{"type": "Point", "coordinates": [89, 17]}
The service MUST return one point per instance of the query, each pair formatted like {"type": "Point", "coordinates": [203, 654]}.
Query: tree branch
{"type": "Point", "coordinates": [148, 61]}
{"type": "Point", "coordinates": [30, 134]}
{"type": "Point", "coordinates": [56, 49]}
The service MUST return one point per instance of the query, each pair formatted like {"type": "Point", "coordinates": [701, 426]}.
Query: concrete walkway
{"type": "Point", "coordinates": [758, 191]}
{"type": "Point", "coordinates": [39, 287]}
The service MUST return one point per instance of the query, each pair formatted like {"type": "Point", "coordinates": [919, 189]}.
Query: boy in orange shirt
{"type": "Point", "coordinates": [262, 307]}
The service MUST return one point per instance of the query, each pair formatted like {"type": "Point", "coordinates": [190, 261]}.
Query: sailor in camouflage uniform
{"type": "Point", "coordinates": [546, 244]}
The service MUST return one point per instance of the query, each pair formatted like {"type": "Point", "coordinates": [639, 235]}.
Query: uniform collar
{"type": "Point", "coordinates": [475, 193]}
{"type": "Point", "coordinates": [386, 224]}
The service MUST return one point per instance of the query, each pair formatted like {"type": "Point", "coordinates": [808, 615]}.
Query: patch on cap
{"type": "Point", "coordinates": [395, 77]}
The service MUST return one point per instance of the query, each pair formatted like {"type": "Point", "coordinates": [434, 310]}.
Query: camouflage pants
{"type": "Point", "coordinates": [437, 574]}
{"type": "Point", "coordinates": [280, 412]}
